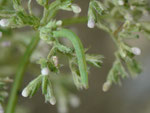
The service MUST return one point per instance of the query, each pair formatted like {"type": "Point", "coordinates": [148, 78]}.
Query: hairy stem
{"type": "Point", "coordinates": [19, 75]}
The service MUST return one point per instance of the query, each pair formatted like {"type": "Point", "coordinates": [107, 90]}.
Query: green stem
{"type": "Point", "coordinates": [51, 53]}
{"type": "Point", "coordinates": [19, 75]}
{"type": "Point", "coordinates": [75, 20]}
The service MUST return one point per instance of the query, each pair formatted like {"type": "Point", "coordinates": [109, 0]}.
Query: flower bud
{"type": "Point", "coordinates": [91, 23]}
{"type": "Point", "coordinates": [136, 50]}
{"type": "Point", "coordinates": [4, 22]}
{"type": "Point", "coordinates": [106, 86]}
{"type": "Point", "coordinates": [25, 92]}
{"type": "Point", "coordinates": [45, 71]}
{"type": "Point", "coordinates": [75, 8]}
{"type": "Point", "coordinates": [53, 100]}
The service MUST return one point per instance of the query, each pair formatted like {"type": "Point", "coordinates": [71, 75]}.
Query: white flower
{"type": "Point", "coordinates": [25, 92]}
{"type": "Point", "coordinates": [53, 101]}
{"type": "Point", "coordinates": [106, 86]}
{"type": "Point", "coordinates": [55, 60]}
{"type": "Point", "coordinates": [74, 101]}
{"type": "Point", "coordinates": [75, 8]}
{"type": "Point", "coordinates": [136, 50]}
{"type": "Point", "coordinates": [45, 71]}
{"type": "Point", "coordinates": [91, 23]}
{"type": "Point", "coordinates": [4, 22]}
{"type": "Point", "coordinates": [120, 2]}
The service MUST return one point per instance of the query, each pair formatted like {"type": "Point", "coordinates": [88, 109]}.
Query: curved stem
{"type": "Point", "coordinates": [19, 75]}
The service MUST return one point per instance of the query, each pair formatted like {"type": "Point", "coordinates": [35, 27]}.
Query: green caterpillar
{"type": "Point", "coordinates": [79, 52]}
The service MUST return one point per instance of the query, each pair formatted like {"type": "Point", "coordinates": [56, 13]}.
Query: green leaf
{"type": "Point", "coordinates": [17, 5]}
{"type": "Point", "coordinates": [49, 96]}
{"type": "Point", "coordinates": [52, 66]}
{"type": "Point", "coordinates": [133, 67]}
{"type": "Point", "coordinates": [76, 75]}
{"type": "Point", "coordinates": [95, 60]}
{"type": "Point", "coordinates": [46, 31]}
{"type": "Point", "coordinates": [66, 5]}
{"type": "Point", "coordinates": [44, 84]}
{"type": "Point", "coordinates": [22, 19]}
{"type": "Point", "coordinates": [33, 86]}
{"type": "Point", "coordinates": [98, 6]}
